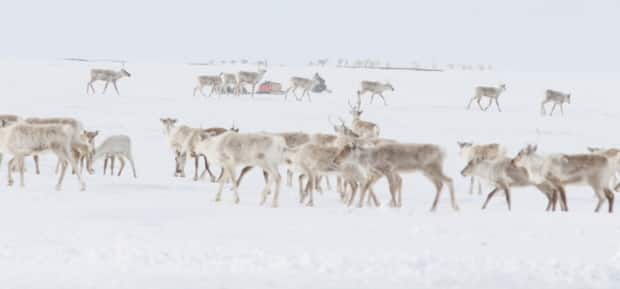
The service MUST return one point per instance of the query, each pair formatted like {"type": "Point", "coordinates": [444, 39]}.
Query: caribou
{"type": "Point", "coordinates": [107, 75]}
{"type": "Point", "coordinates": [22, 139]}
{"type": "Point", "coordinates": [215, 81]}
{"type": "Point", "coordinates": [555, 97]}
{"type": "Point", "coordinates": [491, 92]}
{"type": "Point", "coordinates": [592, 170]}
{"type": "Point", "coordinates": [116, 146]}
{"type": "Point", "coordinates": [503, 175]}
{"type": "Point", "coordinates": [305, 84]}
{"type": "Point", "coordinates": [391, 159]}
{"type": "Point", "coordinates": [363, 129]}
{"type": "Point", "coordinates": [229, 82]}
{"type": "Point", "coordinates": [248, 77]}
{"type": "Point", "coordinates": [469, 151]}
{"type": "Point", "coordinates": [375, 88]}
{"type": "Point", "coordinates": [231, 150]}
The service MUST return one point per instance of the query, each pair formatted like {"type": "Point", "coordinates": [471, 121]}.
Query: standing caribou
{"type": "Point", "coordinates": [490, 92]}
{"type": "Point", "coordinates": [555, 97]}
{"type": "Point", "coordinates": [248, 77]}
{"type": "Point", "coordinates": [106, 75]}
{"type": "Point", "coordinates": [375, 88]}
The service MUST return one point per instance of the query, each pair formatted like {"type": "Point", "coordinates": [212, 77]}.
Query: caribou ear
{"type": "Point", "coordinates": [534, 148]}
{"type": "Point", "coordinates": [96, 133]}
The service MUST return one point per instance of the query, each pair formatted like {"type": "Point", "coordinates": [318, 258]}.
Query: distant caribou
{"type": "Point", "coordinates": [375, 88]}
{"type": "Point", "coordinates": [229, 82]}
{"type": "Point", "coordinates": [215, 81]}
{"type": "Point", "coordinates": [556, 98]}
{"type": "Point", "coordinates": [305, 84]}
{"type": "Point", "coordinates": [491, 92]}
{"type": "Point", "coordinates": [106, 75]}
{"type": "Point", "coordinates": [248, 77]}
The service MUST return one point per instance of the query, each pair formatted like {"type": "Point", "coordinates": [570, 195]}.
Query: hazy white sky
{"type": "Point", "coordinates": [544, 34]}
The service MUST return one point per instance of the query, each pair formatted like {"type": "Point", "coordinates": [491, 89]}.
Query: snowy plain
{"type": "Point", "coordinates": [158, 231]}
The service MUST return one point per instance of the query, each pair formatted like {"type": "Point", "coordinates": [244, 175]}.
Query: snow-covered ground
{"type": "Point", "coordinates": [158, 231]}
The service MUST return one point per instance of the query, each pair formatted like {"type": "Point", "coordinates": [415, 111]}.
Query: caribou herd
{"type": "Point", "coordinates": [354, 153]}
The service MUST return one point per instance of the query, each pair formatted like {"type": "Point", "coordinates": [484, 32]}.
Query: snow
{"type": "Point", "coordinates": [158, 231]}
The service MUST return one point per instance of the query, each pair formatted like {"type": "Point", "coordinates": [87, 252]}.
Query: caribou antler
{"type": "Point", "coordinates": [358, 104]}
{"type": "Point", "coordinates": [350, 105]}
{"type": "Point", "coordinates": [329, 119]}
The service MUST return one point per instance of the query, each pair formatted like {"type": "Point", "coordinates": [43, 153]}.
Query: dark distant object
{"type": "Point", "coordinates": [270, 87]}
{"type": "Point", "coordinates": [321, 86]}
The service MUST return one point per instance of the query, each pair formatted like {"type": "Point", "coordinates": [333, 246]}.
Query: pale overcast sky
{"type": "Point", "coordinates": [524, 34]}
